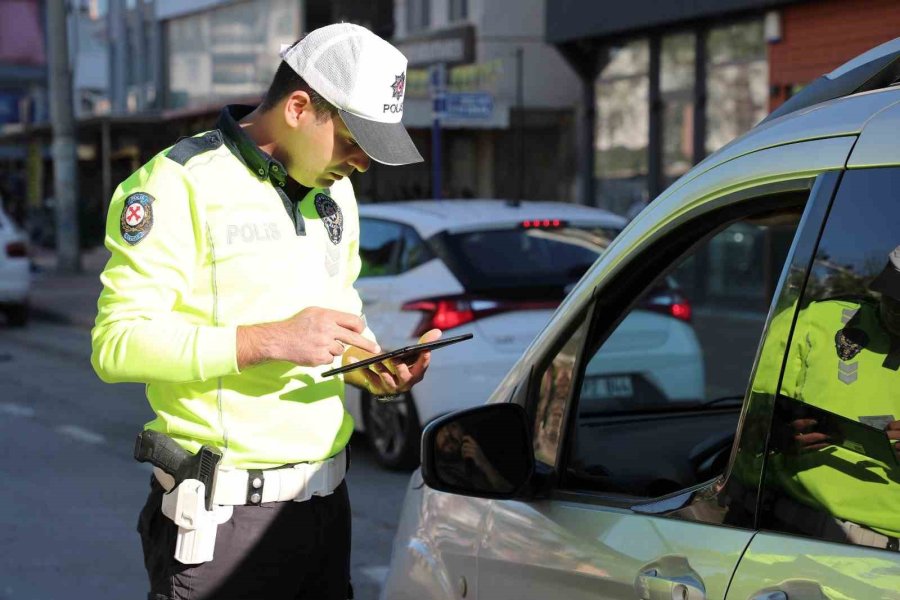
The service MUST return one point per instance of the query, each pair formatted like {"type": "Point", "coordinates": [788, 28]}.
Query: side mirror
{"type": "Point", "coordinates": [484, 451]}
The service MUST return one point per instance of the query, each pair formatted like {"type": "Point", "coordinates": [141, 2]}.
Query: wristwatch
{"type": "Point", "coordinates": [390, 398]}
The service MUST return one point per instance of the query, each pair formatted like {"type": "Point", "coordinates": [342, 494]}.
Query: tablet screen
{"type": "Point", "coordinates": [859, 437]}
{"type": "Point", "coordinates": [414, 349]}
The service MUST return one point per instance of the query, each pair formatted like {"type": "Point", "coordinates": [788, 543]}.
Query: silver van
{"type": "Point", "coordinates": [782, 480]}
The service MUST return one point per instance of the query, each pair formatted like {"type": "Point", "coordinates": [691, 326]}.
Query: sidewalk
{"type": "Point", "coordinates": [69, 299]}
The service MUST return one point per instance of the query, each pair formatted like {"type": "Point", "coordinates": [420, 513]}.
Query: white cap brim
{"type": "Point", "coordinates": [386, 143]}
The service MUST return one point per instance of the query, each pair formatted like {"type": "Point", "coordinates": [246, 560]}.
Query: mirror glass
{"type": "Point", "coordinates": [482, 451]}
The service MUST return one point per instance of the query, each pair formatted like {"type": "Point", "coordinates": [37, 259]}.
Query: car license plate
{"type": "Point", "coordinates": [608, 387]}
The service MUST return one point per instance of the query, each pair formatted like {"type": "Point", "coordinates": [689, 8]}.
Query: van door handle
{"type": "Point", "coordinates": [792, 589]}
{"type": "Point", "coordinates": [650, 585]}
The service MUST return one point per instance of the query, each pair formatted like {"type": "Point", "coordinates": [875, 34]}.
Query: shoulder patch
{"type": "Point", "coordinates": [137, 217]}
{"type": "Point", "coordinates": [331, 216]}
{"type": "Point", "coordinates": [187, 148]}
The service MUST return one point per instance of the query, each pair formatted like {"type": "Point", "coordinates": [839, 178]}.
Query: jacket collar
{"type": "Point", "coordinates": [261, 163]}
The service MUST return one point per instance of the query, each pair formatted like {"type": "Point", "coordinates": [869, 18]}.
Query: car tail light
{"type": "Point", "coordinates": [452, 311]}
{"type": "Point", "coordinates": [681, 310]}
{"type": "Point", "coordinates": [673, 305]}
{"type": "Point", "coordinates": [16, 250]}
{"type": "Point", "coordinates": [542, 224]}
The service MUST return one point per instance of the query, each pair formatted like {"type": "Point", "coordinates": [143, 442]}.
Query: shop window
{"type": "Point", "coordinates": [677, 55]}
{"type": "Point", "coordinates": [623, 121]}
{"type": "Point", "coordinates": [418, 15]}
{"type": "Point", "coordinates": [736, 81]}
{"type": "Point", "coordinates": [459, 10]}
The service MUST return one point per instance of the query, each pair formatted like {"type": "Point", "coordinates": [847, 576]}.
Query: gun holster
{"type": "Point", "coordinates": [186, 506]}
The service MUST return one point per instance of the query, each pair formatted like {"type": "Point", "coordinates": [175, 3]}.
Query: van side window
{"type": "Point", "coordinates": [553, 395]}
{"type": "Point", "coordinates": [832, 470]}
{"type": "Point", "coordinates": [659, 397]}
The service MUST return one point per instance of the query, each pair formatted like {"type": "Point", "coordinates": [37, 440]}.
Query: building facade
{"type": "Point", "coordinates": [508, 130]}
{"type": "Point", "coordinates": [664, 84]}
{"type": "Point", "coordinates": [145, 73]}
{"type": "Point", "coordinates": [23, 102]}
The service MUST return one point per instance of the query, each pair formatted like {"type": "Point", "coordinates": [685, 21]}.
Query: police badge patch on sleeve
{"type": "Point", "coordinates": [331, 216]}
{"type": "Point", "coordinates": [137, 217]}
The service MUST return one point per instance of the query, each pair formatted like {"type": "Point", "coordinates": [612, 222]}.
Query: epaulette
{"type": "Point", "coordinates": [187, 148]}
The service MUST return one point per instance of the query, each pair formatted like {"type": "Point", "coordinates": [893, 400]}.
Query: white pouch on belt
{"type": "Point", "coordinates": [186, 506]}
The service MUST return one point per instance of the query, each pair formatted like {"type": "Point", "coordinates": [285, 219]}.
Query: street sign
{"type": "Point", "coordinates": [439, 106]}
{"type": "Point", "coordinates": [468, 105]}
{"type": "Point", "coordinates": [437, 78]}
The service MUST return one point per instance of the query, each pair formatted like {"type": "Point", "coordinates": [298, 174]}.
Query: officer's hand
{"type": "Point", "coordinates": [312, 337]}
{"type": "Point", "coordinates": [394, 376]}
{"type": "Point", "coordinates": [806, 438]}
{"type": "Point", "coordinates": [893, 432]}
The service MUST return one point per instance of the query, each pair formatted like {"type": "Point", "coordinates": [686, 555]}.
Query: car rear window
{"type": "Point", "coordinates": [543, 260]}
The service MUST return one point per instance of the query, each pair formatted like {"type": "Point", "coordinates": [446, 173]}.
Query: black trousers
{"type": "Point", "coordinates": [275, 551]}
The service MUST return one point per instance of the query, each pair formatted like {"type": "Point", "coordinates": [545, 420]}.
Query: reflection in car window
{"type": "Point", "coordinates": [379, 243]}
{"type": "Point", "coordinates": [660, 396]}
{"type": "Point", "coordinates": [554, 393]}
{"type": "Point", "coordinates": [832, 471]}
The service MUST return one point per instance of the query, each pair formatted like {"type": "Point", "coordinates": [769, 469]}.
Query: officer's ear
{"type": "Point", "coordinates": [298, 109]}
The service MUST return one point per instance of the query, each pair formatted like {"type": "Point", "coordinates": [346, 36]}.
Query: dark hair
{"type": "Point", "coordinates": [285, 82]}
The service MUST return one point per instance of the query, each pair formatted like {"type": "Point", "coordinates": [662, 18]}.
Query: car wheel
{"type": "Point", "coordinates": [393, 430]}
{"type": "Point", "coordinates": [17, 315]}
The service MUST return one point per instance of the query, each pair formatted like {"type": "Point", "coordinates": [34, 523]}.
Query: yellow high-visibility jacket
{"type": "Point", "coordinates": [207, 236]}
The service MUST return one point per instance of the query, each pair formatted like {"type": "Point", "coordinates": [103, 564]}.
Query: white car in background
{"type": "Point", "coordinates": [15, 272]}
{"type": "Point", "coordinates": [498, 271]}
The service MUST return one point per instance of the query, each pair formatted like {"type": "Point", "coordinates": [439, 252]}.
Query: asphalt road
{"type": "Point", "coordinates": [70, 491]}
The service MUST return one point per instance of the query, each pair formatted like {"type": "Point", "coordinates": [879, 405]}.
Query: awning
{"type": "Point", "coordinates": [570, 20]}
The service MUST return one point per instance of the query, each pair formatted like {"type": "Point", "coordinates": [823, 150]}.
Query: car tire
{"type": "Point", "coordinates": [17, 315]}
{"type": "Point", "coordinates": [393, 431]}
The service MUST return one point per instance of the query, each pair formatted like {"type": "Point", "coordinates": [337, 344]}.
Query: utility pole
{"type": "Point", "coordinates": [118, 55]}
{"type": "Point", "coordinates": [65, 175]}
{"type": "Point", "coordinates": [520, 126]}
{"type": "Point", "coordinates": [438, 84]}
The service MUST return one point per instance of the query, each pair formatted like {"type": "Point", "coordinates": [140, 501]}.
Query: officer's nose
{"type": "Point", "coordinates": [359, 160]}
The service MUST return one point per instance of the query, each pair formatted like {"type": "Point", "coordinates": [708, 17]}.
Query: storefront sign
{"type": "Point", "coordinates": [453, 46]}
{"type": "Point", "coordinates": [469, 105]}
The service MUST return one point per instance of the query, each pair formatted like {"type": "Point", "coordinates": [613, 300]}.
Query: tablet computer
{"type": "Point", "coordinates": [414, 349]}
{"type": "Point", "coordinates": [845, 432]}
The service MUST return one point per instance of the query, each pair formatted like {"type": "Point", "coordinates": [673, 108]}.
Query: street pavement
{"type": "Point", "coordinates": [67, 299]}
{"type": "Point", "coordinates": [69, 488]}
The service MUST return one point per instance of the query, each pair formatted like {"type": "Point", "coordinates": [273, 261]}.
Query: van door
{"type": "Point", "coordinates": [636, 435]}
{"type": "Point", "coordinates": [829, 510]}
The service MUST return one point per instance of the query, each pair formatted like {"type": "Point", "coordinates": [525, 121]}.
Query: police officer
{"type": "Point", "coordinates": [844, 358]}
{"type": "Point", "coordinates": [229, 292]}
